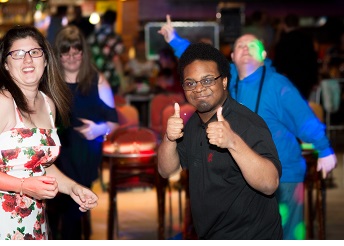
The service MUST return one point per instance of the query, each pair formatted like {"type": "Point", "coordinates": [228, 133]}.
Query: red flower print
{"type": "Point", "coordinates": [23, 212]}
{"type": "Point", "coordinates": [10, 203]}
{"type": "Point", "coordinates": [25, 133]}
{"type": "Point", "coordinates": [37, 231]}
{"type": "Point", "coordinates": [48, 141]}
{"type": "Point", "coordinates": [41, 218]}
{"type": "Point", "coordinates": [28, 236]}
{"type": "Point", "coordinates": [210, 157]}
{"type": "Point", "coordinates": [35, 160]}
{"type": "Point", "coordinates": [39, 203]}
{"type": "Point", "coordinates": [10, 154]}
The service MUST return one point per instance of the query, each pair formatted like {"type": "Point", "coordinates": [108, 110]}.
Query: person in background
{"type": "Point", "coordinates": [57, 21]}
{"type": "Point", "coordinates": [141, 72]}
{"type": "Point", "coordinates": [107, 47]}
{"type": "Point", "coordinates": [260, 25]}
{"type": "Point", "coordinates": [295, 56]}
{"type": "Point", "coordinates": [81, 22]}
{"type": "Point", "coordinates": [228, 150]}
{"type": "Point", "coordinates": [256, 84]}
{"type": "Point", "coordinates": [167, 80]}
{"type": "Point", "coordinates": [93, 117]}
{"type": "Point", "coordinates": [32, 94]}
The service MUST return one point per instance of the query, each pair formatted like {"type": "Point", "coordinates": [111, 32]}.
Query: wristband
{"type": "Point", "coordinates": [21, 186]}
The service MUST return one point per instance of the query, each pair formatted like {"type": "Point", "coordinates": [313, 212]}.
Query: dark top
{"type": "Point", "coordinates": [223, 205]}
{"type": "Point", "coordinates": [80, 158]}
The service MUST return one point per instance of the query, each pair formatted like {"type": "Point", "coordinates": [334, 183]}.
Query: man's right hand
{"type": "Point", "coordinates": [175, 125]}
{"type": "Point", "coordinates": [167, 30]}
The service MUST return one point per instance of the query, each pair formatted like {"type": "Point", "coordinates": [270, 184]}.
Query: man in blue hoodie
{"type": "Point", "coordinates": [256, 84]}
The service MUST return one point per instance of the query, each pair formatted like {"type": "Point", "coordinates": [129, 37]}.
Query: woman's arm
{"type": "Point", "coordinates": [83, 196]}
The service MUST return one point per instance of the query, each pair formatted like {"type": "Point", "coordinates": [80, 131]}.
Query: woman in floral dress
{"type": "Point", "coordinates": [32, 93]}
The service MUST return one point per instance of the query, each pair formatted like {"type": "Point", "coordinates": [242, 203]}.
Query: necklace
{"type": "Point", "coordinates": [261, 82]}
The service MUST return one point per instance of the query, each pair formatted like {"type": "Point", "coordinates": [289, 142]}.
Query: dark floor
{"type": "Point", "coordinates": [137, 208]}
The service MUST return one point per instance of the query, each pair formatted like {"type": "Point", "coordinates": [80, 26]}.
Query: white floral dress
{"type": "Point", "coordinates": [25, 152]}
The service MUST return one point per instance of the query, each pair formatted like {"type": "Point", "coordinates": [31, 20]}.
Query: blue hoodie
{"type": "Point", "coordinates": [284, 110]}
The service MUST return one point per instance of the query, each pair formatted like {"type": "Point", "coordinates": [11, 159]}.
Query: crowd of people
{"type": "Point", "coordinates": [241, 147]}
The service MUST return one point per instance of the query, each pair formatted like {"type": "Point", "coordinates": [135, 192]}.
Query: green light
{"type": "Point", "coordinates": [284, 212]}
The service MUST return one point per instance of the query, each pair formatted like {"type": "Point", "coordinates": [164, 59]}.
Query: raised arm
{"type": "Point", "coordinates": [171, 37]}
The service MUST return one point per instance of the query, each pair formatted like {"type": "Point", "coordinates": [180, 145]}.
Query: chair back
{"type": "Point", "coordinates": [157, 105]}
{"type": "Point", "coordinates": [135, 139]}
{"type": "Point", "coordinates": [128, 115]}
{"type": "Point", "coordinates": [119, 100]}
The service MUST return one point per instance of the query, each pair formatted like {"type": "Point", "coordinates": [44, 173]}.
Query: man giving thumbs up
{"type": "Point", "coordinates": [233, 164]}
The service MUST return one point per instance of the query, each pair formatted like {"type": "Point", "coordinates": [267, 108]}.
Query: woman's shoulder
{"type": "Point", "coordinates": [5, 98]}
{"type": "Point", "coordinates": [7, 112]}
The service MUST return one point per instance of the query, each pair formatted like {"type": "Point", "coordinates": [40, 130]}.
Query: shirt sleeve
{"type": "Point", "coordinates": [179, 45]}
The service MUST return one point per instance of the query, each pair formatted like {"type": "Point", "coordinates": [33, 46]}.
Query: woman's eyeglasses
{"type": "Point", "coordinates": [20, 54]}
{"type": "Point", "coordinates": [76, 55]}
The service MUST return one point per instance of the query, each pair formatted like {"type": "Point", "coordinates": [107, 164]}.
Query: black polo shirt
{"type": "Point", "coordinates": [223, 205]}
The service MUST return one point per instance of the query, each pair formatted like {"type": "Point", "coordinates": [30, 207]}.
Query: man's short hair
{"type": "Point", "coordinates": [204, 52]}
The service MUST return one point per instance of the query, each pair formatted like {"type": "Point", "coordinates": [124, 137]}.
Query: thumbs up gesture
{"type": "Point", "coordinates": [175, 125]}
{"type": "Point", "coordinates": [219, 131]}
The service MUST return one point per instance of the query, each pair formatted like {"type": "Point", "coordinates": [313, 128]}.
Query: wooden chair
{"type": "Point", "coordinates": [157, 105]}
{"type": "Point", "coordinates": [315, 208]}
{"type": "Point", "coordinates": [133, 163]}
{"type": "Point", "coordinates": [119, 100]}
{"type": "Point", "coordinates": [128, 116]}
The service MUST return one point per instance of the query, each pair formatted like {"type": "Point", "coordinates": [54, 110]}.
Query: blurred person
{"type": "Point", "coordinates": [259, 25]}
{"type": "Point", "coordinates": [334, 57]}
{"type": "Point", "coordinates": [228, 150]}
{"type": "Point", "coordinates": [57, 21]}
{"type": "Point", "coordinates": [256, 84]}
{"type": "Point", "coordinates": [81, 22]}
{"type": "Point", "coordinates": [295, 56]}
{"type": "Point", "coordinates": [107, 47]}
{"type": "Point", "coordinates": [141, 72]}
{"type": "Point", "coordinates": [168, 78]}
{"type": "Point", "coordinates": [32, 95]}
{"type": "Point", "coordinates": [93, 117]}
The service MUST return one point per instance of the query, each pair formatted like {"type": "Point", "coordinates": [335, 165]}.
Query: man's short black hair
{"type": "Point", "coordinates": [204, 52]}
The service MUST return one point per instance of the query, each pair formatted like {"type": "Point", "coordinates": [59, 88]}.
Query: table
{"type": "Point", "coordinates": [126, 166]}
{"type": "Point", "coordinates": [314, 182]}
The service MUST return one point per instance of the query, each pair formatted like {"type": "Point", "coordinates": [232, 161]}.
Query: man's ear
{"type": "Point", "coordinates": [225, 83]}
{"type": "Point", "coordinates": [263, 54]}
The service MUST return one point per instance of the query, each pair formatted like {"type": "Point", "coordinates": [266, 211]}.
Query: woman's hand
{"type": "Point", "coordinates": [42, 187]}
{"type": "Point", "coordinates": [89, 129]}
{"type": "Point", "coordinates": [83, 196]}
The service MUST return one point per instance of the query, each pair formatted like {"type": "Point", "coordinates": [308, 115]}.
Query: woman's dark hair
{"type": "Point", "coordinates": [51, 83]}
{"type": "Point", "coordinates": [72, 37]}
{"type": "Point", "coordinates": [204, 52]}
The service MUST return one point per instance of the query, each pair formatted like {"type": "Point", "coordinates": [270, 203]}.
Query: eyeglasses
{"type": "Point", "coordinates": [190, 85]}
{"type": "Point", "coordinates": [20, 54]}
{"type": "Point", "coordinates": [76, 55]}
